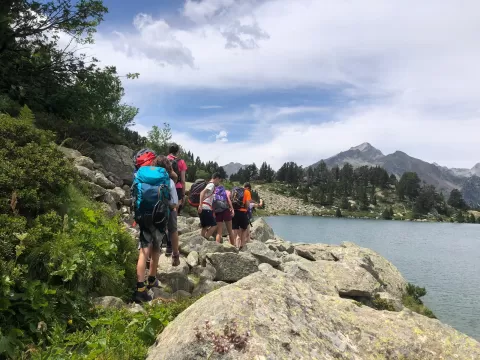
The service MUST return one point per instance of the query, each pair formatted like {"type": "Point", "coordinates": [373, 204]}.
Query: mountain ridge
{"type": "Point", "coordinates": [232, 168]}
{"type": "Point", "coordinates": [399, 162]}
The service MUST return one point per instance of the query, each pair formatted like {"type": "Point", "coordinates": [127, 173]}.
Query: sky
{"type": "Point", "coordinates": [301, 80]}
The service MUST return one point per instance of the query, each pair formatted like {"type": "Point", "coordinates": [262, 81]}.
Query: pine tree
{"type": "Point", "coordinates": [459, 217]}
{"type": "Point", "coordinates": [456, 200]}
{"type": "Point", "coordinates": [345, 203]}
{"type": "Point", "coordinates": [471, 219]}
{"type": "Point", "coordinates": [338, 213]}
{"type": "Point", "coordinates": [386, 215]}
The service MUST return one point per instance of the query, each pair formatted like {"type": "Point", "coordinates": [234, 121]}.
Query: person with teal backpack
{"type": "Point", "coordinates": [152, 194]}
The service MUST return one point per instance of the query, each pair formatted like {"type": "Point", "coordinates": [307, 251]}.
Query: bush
{"type": "Point", "coordinates": [112, 334]}
{"type": "Point", "coordinates": [411, 300]}
{"type": "Point", "coordinates": [33, 172]}
{"type": "Point", "coordinates": [57, 249]}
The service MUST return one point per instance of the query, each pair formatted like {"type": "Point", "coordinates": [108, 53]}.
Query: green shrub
{"type": "Point", "coordinates": [57, 249]}
{"type": "Point", "coordinates": [112, 334]}
{"type": "Point", "coordinates": [382, 304]}
{"type": "Point", "coordinates": [411, 300]}
{"type": "Point", "coordinates": [33, 172]}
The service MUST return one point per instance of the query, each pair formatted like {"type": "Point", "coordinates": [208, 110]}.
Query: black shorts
{"type": "Point", "coordinates": [150, 236]}
{"type": "Point", "coordinates": [180, 194]}
{"type": "Point", "coordinates": [240, 220]}
{"type": "Point", "coordinates": [207, 219]}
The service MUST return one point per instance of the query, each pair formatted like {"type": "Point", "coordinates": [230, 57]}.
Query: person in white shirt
{"type": "Point", "coordinates": [205, 209]}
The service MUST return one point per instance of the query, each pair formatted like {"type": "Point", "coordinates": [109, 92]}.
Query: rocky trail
{"type": "Point", "coordinates": [278, 300]}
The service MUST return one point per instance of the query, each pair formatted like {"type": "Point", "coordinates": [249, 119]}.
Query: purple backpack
{"type": "Point", "coordinates": [220, 202]}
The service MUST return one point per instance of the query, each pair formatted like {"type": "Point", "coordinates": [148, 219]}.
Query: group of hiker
{"type": "Point", "coordinates": [158, 192]}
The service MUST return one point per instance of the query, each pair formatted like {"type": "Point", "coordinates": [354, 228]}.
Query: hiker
{"type": "Point", "coordinates": [180, 168]}
{"type": "Point", "coordinates": [164, 162]}
{"type": "Point", "coordinates": [205, 207]}
{"type": "Point", "coordinates": [241, 198]}
{"type": "Point", "coordinates": [251, 209]}
{"type": "Point", "coordinates": [223, 208]}
{"type": "Point", "coordinates": [152, 192]}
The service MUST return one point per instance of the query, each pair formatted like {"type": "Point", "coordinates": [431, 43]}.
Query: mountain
{"type": "Point", "coordinates": [232, 168]}
{"type": "Point", "coordinates": [441, 177]}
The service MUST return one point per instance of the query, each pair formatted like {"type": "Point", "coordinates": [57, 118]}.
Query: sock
{"type": "Point", "coordinates": [140, 286]}
{"type": "Point", "coordinates": [151, 279]}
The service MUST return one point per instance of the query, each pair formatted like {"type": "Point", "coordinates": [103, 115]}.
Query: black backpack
{"type": "Point", "coordinates": [237, 197]}
{"type": "Point", "coordinates": [195, 190]}
{"type": "Point", "coordinates": [175, 167]}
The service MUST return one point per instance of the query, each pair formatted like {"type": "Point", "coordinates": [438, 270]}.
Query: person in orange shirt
{"type": "Point", "coordinates": [240, 220]}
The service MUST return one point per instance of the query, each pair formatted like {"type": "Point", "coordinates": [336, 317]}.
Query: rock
{"type": "Point", "coordinates": [117, 159]}
{"type": "Point", "coordinates": [95, 190]}
{"type": "Point", "coordinates": [108, 210]}
{"type": "Point", "coordinates": [85, 173]}
{"type": "Point", "coordinates": [206, 272]}
{"type": "Point", "coordinates": [261, 231]}
{"type": "Point", "coordinates": [165, 266]}
{"type": "Point", "coordinates": [287, 319]}
{"type": "Point", "coordinates": [109, 302]}
{"type": "Point", "coordinates": [214, 247]}
{"type": "Point", "coordinates": [176, 281]}
{"type": "Point", "coordinates": [262, 253]}
{"type": "Point", "coordinates": [160, 293]}
{"type": "Point", "coordinates": [280, 245]}
{"type": "Point", "coordinates": [116, 180]}
{"type": "Point", "coordinates": [304, 253]}
{"type": "Point", "coordinates": [136, 308]}
{"type": "Point", "coordinates": [71, 154]}
{"type": "Point", "coordinates": [192, 259]}
{"type": "Point", "coordinates": [101, 180]}
{"type": "Point", "coordinates": [119, 194]}
{"type": "Point", "coordinates": [108, 198]}
{"type": "Point", "coordinates": [206, 286]}
{"type": "Point", "coordinates": [266, 268]}
{"type": "Point", "coordinates": [232, 267]}
{"type": "Point", "coordinates": [180, 294]}
{"type": "Point", "coordinates": [127, 201]}
{"type": "Point", "coordinates": [191, 242]}
{"type": "Point", "coordinates": [84, 161]}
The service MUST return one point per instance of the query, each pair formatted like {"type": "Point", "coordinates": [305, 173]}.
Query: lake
{"type": "Point", "coordinates": [443, 257]}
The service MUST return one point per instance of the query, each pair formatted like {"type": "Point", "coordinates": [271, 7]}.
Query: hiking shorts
{"type": "Point", "coordinates": [150, 235]}
{"type": "Point", "coordinates": [172, 222]}
{"type": "Point", "coordinates": [223, 216]}
{"type": "Point", "coordinates": [207, 219]}
{"type": "Point", "coordinates": [240, 220]}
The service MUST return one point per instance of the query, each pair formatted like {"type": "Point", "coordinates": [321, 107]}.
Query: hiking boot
{"type": "Point", "coordinates": [176, 259]}
{"type": "Point", "coordinates": [150, 285]}
{"type": "Point", "coordinates": [141, 296]}
{"type": "Point", "coordinates": [169, 250]}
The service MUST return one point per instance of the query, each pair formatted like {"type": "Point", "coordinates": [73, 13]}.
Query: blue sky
{"type": "Point", "coordinates": [300, 80]}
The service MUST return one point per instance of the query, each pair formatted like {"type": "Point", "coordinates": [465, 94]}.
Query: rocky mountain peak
{"type": "Point", "coordinates": [476, 169]}
{"type": "Point", "coordinates": [363, 147]}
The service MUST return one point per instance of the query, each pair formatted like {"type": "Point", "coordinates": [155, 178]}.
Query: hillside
{"type": "Point", "coordinates": [232, 168]}
{"type": "Point", "coordinates": [443, 178]}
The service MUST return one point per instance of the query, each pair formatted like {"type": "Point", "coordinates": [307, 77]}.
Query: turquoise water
{"type": "Point", "coordinates": [444, 258]}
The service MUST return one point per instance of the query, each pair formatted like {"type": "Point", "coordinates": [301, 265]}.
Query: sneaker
{"type": "Point", "coordinates": [169, 250]}
{"type": "Point", "coordinates": [141, 296]}
{"type": "Point", "coordinates": [156, 283]}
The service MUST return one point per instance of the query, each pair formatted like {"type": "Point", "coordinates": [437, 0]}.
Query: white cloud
{"type": "Point", "coordinates": [222, 137]}
{"type": "Point", "coordinates": [414, 63]}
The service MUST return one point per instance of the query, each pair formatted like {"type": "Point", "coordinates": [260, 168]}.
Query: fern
{"type": "Point", "coordinates": [26, 115]}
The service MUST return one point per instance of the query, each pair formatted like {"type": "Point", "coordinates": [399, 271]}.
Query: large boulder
{"type": "Point", "coordinates": [96, 191]}
{"type": "Point", "coordinates": [232, 267]}
{"type": "Point", "coordinates": [101, 180]}
{"type": "Point", "coordinates": [71, 154]}
{"type": "Point", "coordinates": [282, 317]}
{"type": "Point", "coordinates": [117, 159]}
{"type": "Point", "coordinates": [84, 161]}
{"type": "Point", "coordinates": [176, 281]}
{"type": "Point", "coordinates": [261, 231]}
{"type": "Point", "coordinates": [85, 173]}
{"type": "Point", "coordinates": [262, 253]}
{"type": "Point", "coordinates": [280, 245]}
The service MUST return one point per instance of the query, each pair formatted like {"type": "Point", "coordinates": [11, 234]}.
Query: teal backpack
{"type": "Point", "coordinates": [151, 194]}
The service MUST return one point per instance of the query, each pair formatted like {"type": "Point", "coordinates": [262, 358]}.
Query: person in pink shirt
{"type": "Point", "coordinates": [180, 168]}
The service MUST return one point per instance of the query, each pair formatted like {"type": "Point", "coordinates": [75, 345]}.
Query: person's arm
{"type": "Point", "coordinates": [232, 210]}
{"type": "Point", "coordinates": [202, 197]}
{"type": "Point", "coordinates": [183, 175]}
{"type": "Point", "coordinates": [173, 175]}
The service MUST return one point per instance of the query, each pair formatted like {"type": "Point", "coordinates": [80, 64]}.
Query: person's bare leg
{"type": "Point", "coordinates": [219, 232]}
{"type": "Point", "coordinates": [231, 237]}
{"type": "Point", "coordinates": [142, 264]}
{"type": "Point", "coordinates": [243, 237]}
{"type": "Point", "coordinates": [152, 271]}
{"type": "Point", "coordinates": [238, 239]}
{"type": "Point", "coordinates": [210, 231]}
